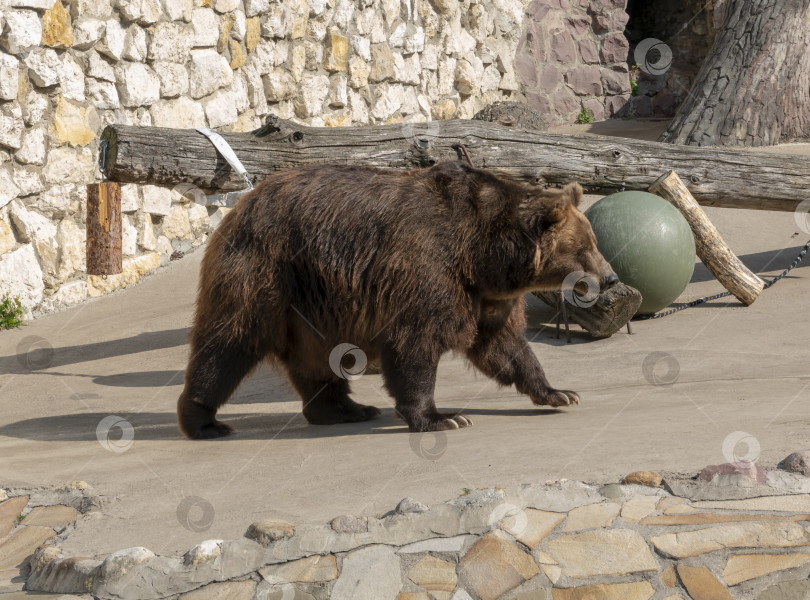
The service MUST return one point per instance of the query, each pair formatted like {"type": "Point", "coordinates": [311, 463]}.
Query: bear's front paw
{"type": "Point", "coordinates": [557, 398]}
{"type": "Point", "coordinates": [441, 422]}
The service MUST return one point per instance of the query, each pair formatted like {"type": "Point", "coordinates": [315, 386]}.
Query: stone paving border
{"type": "Point", "coordinates": [740, 534]}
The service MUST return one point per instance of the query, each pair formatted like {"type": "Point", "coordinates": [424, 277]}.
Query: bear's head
{"type": "Point", "coordinates": [525, 238]}
{"type": "Point", "coordinates": [565, 252]}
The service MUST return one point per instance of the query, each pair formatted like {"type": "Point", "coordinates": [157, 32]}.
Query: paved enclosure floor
{"type": "Point", "coordinates": [733, 369]}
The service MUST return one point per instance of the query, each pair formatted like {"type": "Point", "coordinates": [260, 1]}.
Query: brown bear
{"type": "Point", "coordinates": [405, 266]}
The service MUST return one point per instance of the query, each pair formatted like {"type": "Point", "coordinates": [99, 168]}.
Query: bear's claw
{"type": "Point", "coordinates": [445, 422]}
{"type": "Point", "coordinates": [558, 398]}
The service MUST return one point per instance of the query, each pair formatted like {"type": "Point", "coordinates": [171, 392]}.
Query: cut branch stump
{"type": "Point", "coordinates": [711, 249]}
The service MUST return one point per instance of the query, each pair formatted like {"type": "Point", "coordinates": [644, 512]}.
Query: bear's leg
{"type": "Point", "coordinates": [500, 350]}
{"type": "Point", "coordinates": [326, 401]}
{"type": "Point", "coordinates": [213, 373]}
{"type": "Point", "coordinates": [506, 356]}
{"type": "Point", "coordinates": [411, 382]}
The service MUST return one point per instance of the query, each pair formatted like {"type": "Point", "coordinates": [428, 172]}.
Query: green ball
{"type": "Point", "coordinates": [648, 243]}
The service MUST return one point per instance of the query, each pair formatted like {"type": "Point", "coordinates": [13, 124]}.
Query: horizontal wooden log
{"type": "Point", "coordinates": [715, 176]}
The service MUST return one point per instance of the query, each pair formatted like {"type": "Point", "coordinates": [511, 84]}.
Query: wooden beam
{"type": "Point", "coordinates": [714, 176]}
{"type": "Point", "coordinates": [711, 249]}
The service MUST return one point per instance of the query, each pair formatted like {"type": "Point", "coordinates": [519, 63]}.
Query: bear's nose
{"type": "Point", "coordinates": [611, 280]}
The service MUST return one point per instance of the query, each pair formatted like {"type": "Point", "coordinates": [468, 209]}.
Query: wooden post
{"type": "Point", "coordinates": [104, 229]}
{"type": "Point", "coordinates": [711, 248]}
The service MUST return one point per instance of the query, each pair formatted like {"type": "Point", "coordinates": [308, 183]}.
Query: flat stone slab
{"type": "Point", "coordinates": [21, 544]}
{"type": "Point", "coordinates": [797, 503]}
{"type": "Point", "coordinates": [603, 552]}
{"type": "Point", "coordinates": [52, 516]}
{"type": "Point", "coordinates": [9, 511]}
{"type": "Point", "coordinates": [777, 534]}
{"type": "Point", "coordinates": [701, 584]}
{"type": "Point", "coordinates": [229, 590]}
{"type": "Point", "coordinates": [309, 569]}
{"type": "Point", "coordinates": [532, 526]}
{"type": "Point", "coordinates": [593, 515]}
{"type": "Point", "coordinates": [641, 590]}
{"type": "Point", "coordinates": [495, 565]}
{"type": "Point", "coordinates": [434, 574]}
{"type": "Point", "coordinates": [713, 518]}
{"type": "Point", "coordinates": [786, 590]}
{"type": "Point", "coordinates": [638, 507]}
{"type": "Point", "coordinates": [743, 567]}
{"type": "Point", "coordinates": [451, 544]}
{"type": "Point", "coordinates": [355, 583]}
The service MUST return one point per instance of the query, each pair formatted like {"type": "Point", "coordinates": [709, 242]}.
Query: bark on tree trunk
{"type": "Point", "coordinates": [754, 87]}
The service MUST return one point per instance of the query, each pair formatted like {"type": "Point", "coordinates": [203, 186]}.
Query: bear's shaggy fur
{"type": "Point", "coordinates": [404, 265]}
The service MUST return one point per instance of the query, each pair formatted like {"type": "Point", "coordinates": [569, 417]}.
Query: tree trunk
{"type": "Point", "coordinates": [728, 178]}
{"type": "Point", "coordinates": [754, 87]}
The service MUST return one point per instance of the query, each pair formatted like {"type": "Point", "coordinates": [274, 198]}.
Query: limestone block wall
{"type": "Point", "coordinates": [68, 68]}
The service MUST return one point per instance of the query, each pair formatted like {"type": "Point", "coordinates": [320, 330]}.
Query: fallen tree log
{"type": "Point", "coordinates": [715, 176]}
{"type": "Point", "coordinates": [613, 308]}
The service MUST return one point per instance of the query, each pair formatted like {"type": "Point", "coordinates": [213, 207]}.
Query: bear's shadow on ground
{"type": "Point", "coordinates": [162, 426]}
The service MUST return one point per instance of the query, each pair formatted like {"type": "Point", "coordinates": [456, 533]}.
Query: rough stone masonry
{"type": "Point", "coordinates": [735, 532]}
{"type": "Point", "coordinates": [68, 68]}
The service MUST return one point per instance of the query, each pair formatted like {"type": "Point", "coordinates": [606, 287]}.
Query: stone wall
{"type": "Point", "coordinates": [736, 531]}
{"type": "Point", "coordinates": [573, 55]}
{"type": "Point", "coordinates": [70, 67]}
{"type": "Point", "coordinates": [688, 29]}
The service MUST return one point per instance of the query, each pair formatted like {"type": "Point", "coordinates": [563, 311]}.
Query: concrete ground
{"type": "Point", "coordinates": [668, 397]}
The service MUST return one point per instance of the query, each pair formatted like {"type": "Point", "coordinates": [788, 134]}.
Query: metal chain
{"type": "Point", "coordinates": [724, 294]}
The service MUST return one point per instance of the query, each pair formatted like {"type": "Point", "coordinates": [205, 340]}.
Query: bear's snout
{"type": "Point", "coordinates": [611, 280]}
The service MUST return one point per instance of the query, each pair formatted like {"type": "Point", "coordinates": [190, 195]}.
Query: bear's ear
{"type": "Point", "coordinates": [559, 201]}
{"type": "Point", "coordinates": [574, 193]}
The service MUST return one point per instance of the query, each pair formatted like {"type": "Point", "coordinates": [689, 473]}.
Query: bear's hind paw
{"type": "Point", "coordinates": [211, 431]}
